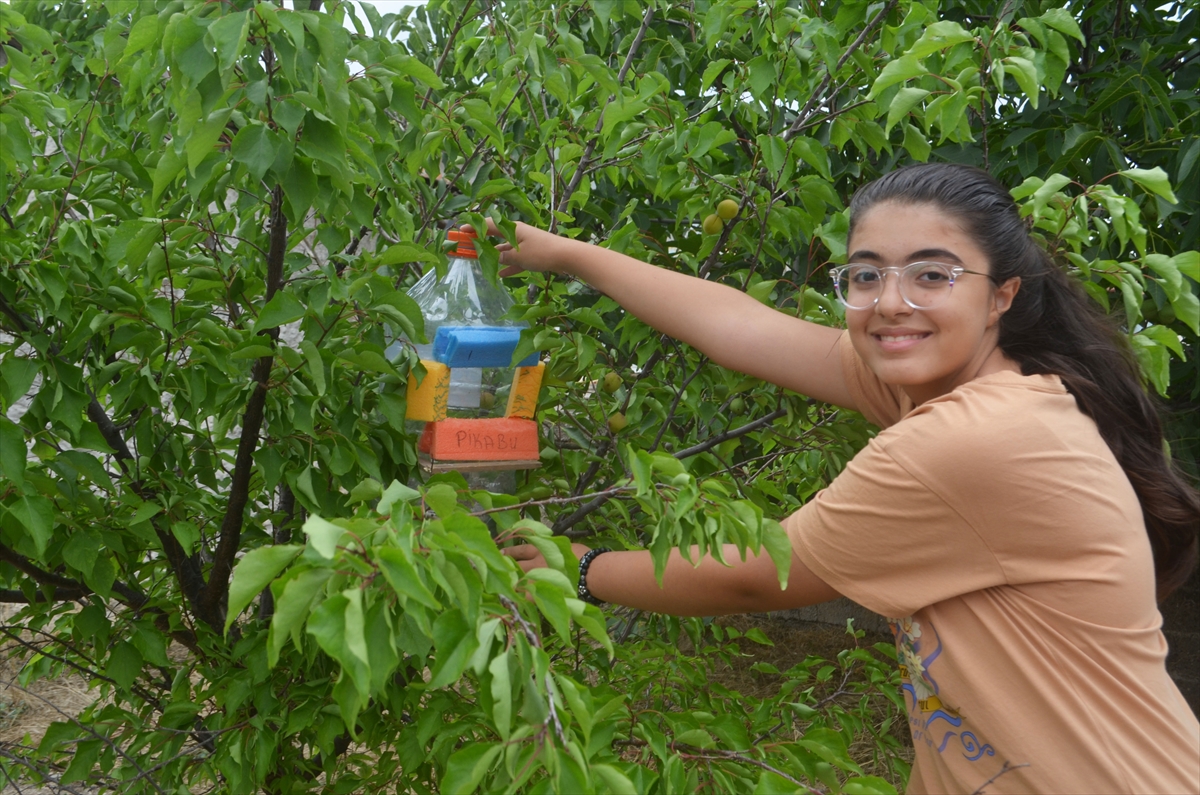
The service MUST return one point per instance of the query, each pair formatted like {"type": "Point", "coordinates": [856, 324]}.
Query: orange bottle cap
{"type": "Point", "coordinates": [466, 246]}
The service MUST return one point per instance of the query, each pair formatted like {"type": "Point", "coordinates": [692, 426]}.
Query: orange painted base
{"type": "Point", "coordinates": [489, 439]}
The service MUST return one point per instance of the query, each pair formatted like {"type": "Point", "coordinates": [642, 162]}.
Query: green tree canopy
{"type": "Point", "coordinates": [210, 502]}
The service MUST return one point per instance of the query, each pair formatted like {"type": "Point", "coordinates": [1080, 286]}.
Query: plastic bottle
{"type": "Point", "coordinates": [463, 297]}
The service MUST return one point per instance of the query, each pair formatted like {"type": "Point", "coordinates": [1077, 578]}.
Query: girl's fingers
{"type": "Point", "coordinates": [521, 552]}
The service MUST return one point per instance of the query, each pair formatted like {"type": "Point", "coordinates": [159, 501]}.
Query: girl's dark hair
{"type": "Point", "coordinates": [1053, 328]}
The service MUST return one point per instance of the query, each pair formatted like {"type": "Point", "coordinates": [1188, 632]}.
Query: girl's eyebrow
{"type": "Point", "coordinates": [916, 256]}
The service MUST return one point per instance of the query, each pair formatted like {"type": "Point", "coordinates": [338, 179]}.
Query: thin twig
{"type": "Point", "coordinates": [590, 149]}
{"type": "Point", "coordinates": [713, 441]}
{"type": "Point", "coordinates": [819, 93]}
{"type": "Point", "coordinates": [554, 501]}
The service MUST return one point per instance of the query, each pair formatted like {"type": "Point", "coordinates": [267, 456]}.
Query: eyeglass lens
{"type": "Point", "coordinates": [922, 284]}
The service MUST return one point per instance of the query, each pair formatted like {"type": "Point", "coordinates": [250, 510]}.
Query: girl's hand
{"type": "Point", "coordinates": [537, 250]}
{"type": "Point", "coordinates": [527, 556]}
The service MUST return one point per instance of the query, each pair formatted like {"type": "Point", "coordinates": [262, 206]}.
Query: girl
{"type": "Point", "coordinates": [1016, 517]}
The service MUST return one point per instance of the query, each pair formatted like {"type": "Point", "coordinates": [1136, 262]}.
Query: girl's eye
{"type": "Point", "coordinates": [864, 276]}
{"type": "Point", "coordinates": [932, 276]}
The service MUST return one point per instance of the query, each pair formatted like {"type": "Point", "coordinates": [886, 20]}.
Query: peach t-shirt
{"type": "Point", "coordinates": [995, 527]}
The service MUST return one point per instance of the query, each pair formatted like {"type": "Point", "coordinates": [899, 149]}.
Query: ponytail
{"type": "Point", "coordinates": [1053, 328]}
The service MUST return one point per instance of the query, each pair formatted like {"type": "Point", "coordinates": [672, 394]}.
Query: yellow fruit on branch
{"type": "Point", "coordinates": [611, 383]}
{"type": "Point", "coordinates": [617, 422]}
{"type": "Point", "coordinates": [713, 225]}
{"type": "Point", "coordinates": [728, 209]}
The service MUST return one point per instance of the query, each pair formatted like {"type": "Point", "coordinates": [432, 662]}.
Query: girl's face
{"type": "Point", "coordinates": [927, 352]}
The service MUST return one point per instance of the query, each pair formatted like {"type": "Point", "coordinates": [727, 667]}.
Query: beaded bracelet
{"type": "Point", "coordinates": [584, 563]}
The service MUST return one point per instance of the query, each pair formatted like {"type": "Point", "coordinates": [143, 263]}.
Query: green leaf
{"type": "Point", "coordinates": [466, 767]}
{"type": "Point", "coordinates": [37, 514]}
{"type": "Point", "coordinates": [254, 146]}
{"type": "Point", "coordinates": [904, 101]}
{"type": "Point", "coordinates": [501, 693]}
{"type": "Point", "coordinates": [1170, 279]}
{"type": "Point", "coordinates": [13, 451]}
{"type": "Point", "coordinates": [204, 137]}
{"type": "Point", "coordinates": [712, 71]}
{"type": "Point", "coordinates": [323, 536]}
{"type": "Point", "coordinates": [124, 664]}
{"type": "Point", "coordinates": [775, 539]}
{"type": "Point", "coordinates": [1187, 309]}
{"type": "Point", "coordinates": [253, 573]}
{"type": "Point", "coordinates": [1062, 20]}
{"type": "Point", "coordinates": [442, 498]}
{"type": "Point", "coordinates": [398, 570]}
{"type": "Point", "coordinates": [82, 550]}
{"type": "Point", "coordinates": [811, 152]}
{"type": "Point", "coordinates": [1053, 184]}
{"type": "Point", "coordinates": [897, 71]}
{"type": "Point", "coordinates": [455, 642]}
{"type": "Point", "coordinates": [282, 308]}
{"type": "Point", "coordinates": [168, 168]}
{"type": "Point", "coordinates": [143, 34]}
{"type": "Point", "coordinates": [356, 640]}
{"type": "Point", "coordinates": [229, 35]}
{"type": "Point", "coordinates": [1154, 180]}
{"type": "Point", "coordinates": [1026, 75]}
{"type": "Point", "coordinates": [939, 36]}
{"type": "Point", "coordinates": [292, 605]}
{"type": "Point", "coordinates": [405, 253]}
{"type": "Point", "coordinates": [395, 492]}
{"type": "Point", "coordinates": [1188, 263]}
{"type": "Point", "coordinates": [762, 77]}
{"type": "Point", "coordinates": [316, 365]}
{"type": "Point", "coordinates": [16, 377]}
{"type": "Point", "coordinates": [322, 141]}
{"type": "Point", "coordinates": [697, 738]}
{"type": "Point", "coordinates": [614, 779]}
{"type": "Point", "coordinates": [761, 291]}
{"type": "Point", "coordinates": [83, 760]}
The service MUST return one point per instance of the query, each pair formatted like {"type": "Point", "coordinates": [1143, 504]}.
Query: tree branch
{"type": "Point", "coordinates": [675, 403]}
{"type": "Point", "coordinates": [70, 589]}
{"type": "Point", "coordinates": [713, 441]}
{"type": "Point", "coordinates": [590, 149]}
{"type": "Point", "coordinates": [819, 93]}
{"type": "Point", "coordinates": [252, 419]}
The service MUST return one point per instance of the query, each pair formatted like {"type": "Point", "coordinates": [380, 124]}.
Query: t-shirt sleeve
{"type": "Point", "coordinates": [881, 404]}
{"type": "Point", "coordinates": [883, 539]}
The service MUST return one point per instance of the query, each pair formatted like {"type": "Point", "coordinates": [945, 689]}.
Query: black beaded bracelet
{"type": "Point", "coordinates": [584, 563]}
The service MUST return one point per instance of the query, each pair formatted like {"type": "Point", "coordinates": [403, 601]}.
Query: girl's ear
{"type": "Point", "coordinates": [1003, 296]}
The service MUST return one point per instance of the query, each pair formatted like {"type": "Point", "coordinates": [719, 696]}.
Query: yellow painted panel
{"type": "Point", "coordinates": [523, 397]}
{"type": "Point", "coordinates": [428, 401]}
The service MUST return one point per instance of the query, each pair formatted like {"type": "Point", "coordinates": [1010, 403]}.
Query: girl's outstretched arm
{"type": "Point", "coordinates": [710, 589]}
{"type": "Point", "coordinates": [728, 326]}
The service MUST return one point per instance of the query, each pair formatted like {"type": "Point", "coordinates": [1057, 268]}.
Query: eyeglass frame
{"type": "Point", "coordinates": [955, 272]}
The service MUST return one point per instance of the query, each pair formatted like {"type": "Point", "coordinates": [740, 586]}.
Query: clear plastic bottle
{"type": "Point", "coordinates": [463, 297]}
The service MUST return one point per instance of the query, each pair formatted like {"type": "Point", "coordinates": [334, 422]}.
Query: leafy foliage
{"type": "Point", "coordinates": [211, 212]}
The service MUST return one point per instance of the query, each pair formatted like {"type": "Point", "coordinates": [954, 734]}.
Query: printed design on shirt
{"type": "Point", "coordinates": [934, 722]}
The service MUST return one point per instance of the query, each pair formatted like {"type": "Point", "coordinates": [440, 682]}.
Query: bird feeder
{"type": "Point", "coordinates": [468, 371]}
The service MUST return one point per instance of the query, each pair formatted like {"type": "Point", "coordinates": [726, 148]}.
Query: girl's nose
{"type": "Point", "coordinates": [891, 302]}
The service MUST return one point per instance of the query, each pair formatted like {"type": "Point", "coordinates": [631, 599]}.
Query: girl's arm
{"type": "Point", "coordinates": [728, 326]}
{"type": "Point", "coordinates": [710, 589]}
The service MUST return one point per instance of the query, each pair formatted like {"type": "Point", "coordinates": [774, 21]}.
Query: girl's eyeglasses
{"type": "Point", "coordinates": [923, 285]}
